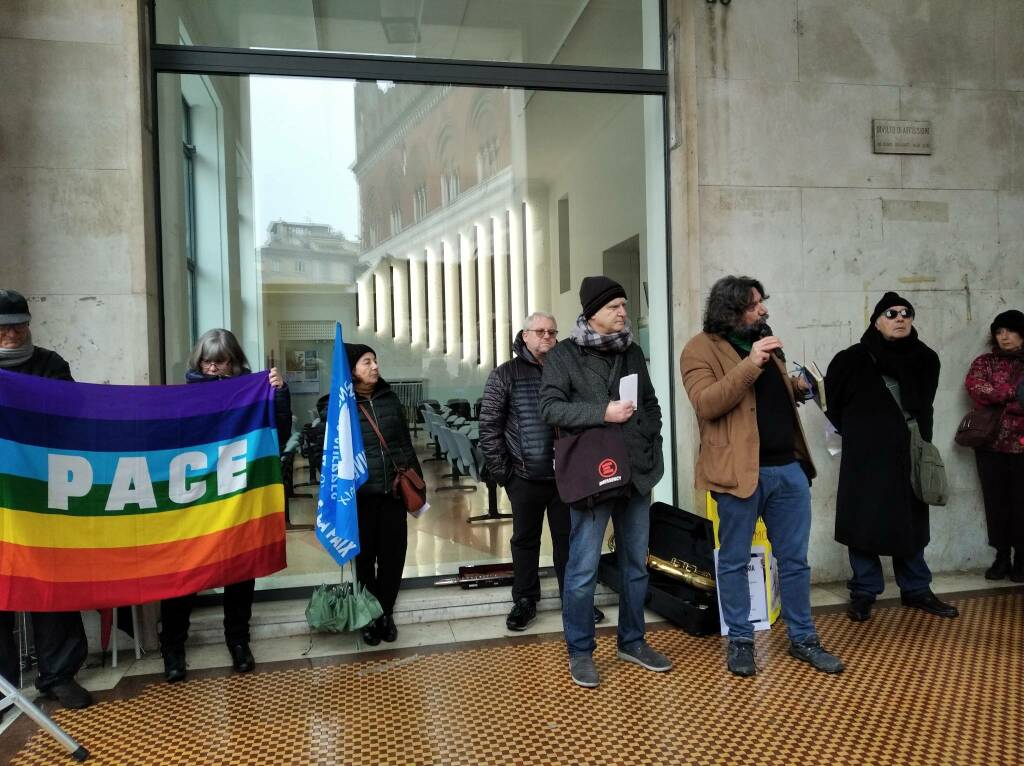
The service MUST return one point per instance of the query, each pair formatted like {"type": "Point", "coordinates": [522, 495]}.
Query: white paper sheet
{"type": "Point", "coordinates": [627, 389]}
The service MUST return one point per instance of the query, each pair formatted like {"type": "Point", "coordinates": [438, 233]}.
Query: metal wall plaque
{"type": "Point", "coordinates": [901, 137]}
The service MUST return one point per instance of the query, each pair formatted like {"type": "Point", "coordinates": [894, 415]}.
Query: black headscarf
{"type": "Point", "coordinates": [914, 365]}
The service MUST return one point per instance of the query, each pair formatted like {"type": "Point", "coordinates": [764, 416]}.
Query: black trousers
{"type": "Point", "coordinates": [530, 499]}
{"type": "Point", "coordinates": [61, 647]}
{"type": "Point", "coordinates": [175, 614]}
{"type": "Point", "coordinates": [382, 542]}
{"type": "Point", "coordinates": [1002, 489]}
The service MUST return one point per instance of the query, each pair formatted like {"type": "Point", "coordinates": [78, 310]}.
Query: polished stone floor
{"type": "Point", "coordinates": [917, 690]}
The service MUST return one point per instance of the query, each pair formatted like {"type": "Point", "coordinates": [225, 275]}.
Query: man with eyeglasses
{"type": "Point", "coordinates": [873, 389]}
{"type": "Point", "coordinates": [517, 447]}
{"type": "Point", "coordinates": [755, 462]}
{"type": "Point", "coordinates": [60, 642]}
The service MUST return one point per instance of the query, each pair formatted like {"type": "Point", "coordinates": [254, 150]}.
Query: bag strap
{"type": "Point", "coordinates": [885, 379]}
{"type": "Point", "coordinates": [380, 436]}
{"type": "Point", "coordinates": [612, 377]}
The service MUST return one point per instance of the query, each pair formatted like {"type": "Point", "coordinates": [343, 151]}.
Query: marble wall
{"type": "Point", "coordinates": [76, 235]}
{"type": "Point", "coordinates": [775, 177]}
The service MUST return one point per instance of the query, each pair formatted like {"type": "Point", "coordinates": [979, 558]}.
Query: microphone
{"type": "Point", "coordinates": [764, 332]}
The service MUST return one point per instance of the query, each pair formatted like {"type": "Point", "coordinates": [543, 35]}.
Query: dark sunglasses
{"type": "Point", "coordinates": [893, 313]}
{"type": "Point", "coordinates": [545, 333]}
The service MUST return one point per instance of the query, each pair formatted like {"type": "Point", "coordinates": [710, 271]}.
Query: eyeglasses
{"type": "Point", "coordinates": [213, 363]}
{"type": "Point", "coordinates": [14, 328]}
{"type": "Point", "coordinates": [893, 313]}
{"type": "Point", "coordinates": [545, 333]}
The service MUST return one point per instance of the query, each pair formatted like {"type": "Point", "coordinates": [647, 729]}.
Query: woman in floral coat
{"type": "Point", "coordinates": [992, 381]}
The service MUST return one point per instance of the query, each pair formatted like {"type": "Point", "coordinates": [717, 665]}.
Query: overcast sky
{"type": "Point", "coordinates": [303, 135]}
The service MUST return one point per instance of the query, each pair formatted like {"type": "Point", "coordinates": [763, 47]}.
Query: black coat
{"type": "Point", "coordinates": [44, 364]}
{"type": "Point", "coordinates": [282, 406]}
{"type": "Point", "coordinates": [386, 408]}
{"type": "Point", "coordinates": [514, 438]}
{"type": "Point", "coordinates": [876, 509]}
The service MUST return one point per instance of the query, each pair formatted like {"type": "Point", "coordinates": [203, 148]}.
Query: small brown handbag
{"type": "Point", "coordinates": [408, 486]}
{"type": "Point", "coordinates": [979, 427]}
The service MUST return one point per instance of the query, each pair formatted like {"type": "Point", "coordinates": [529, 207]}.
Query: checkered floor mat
{"type": "Point", "coordinates": [917, 690]}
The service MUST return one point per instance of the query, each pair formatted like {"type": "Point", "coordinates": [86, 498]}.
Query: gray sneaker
{"type": "Point", "coordinates": [583, 670]}
{"type": "Point", "coordinates": [646, 657]}
{"type": "Point", "coordinates": [811, 651]}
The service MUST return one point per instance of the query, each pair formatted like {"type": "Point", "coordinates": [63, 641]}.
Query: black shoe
{"type": "Point", "coordinates": [859, 609]}
{"type": "Point", "coordinates": [386, 628]}
{"type": "Point", "coordinates": [740, 658]}
{"type": "Point", "coordinates": [929, 602]}
{"type": "Point", "coordinates": [241, 658]}
{"type": "Point", "coordinates": [370, 635]}
{"type": "Point", "coordinates": [1017, 573]}
{"type": "Point", "coordinates": [811, 652]}
{"type": "Point", "coordinates": [1000, 567]}
{"type": "Point", "coordinates": [598, 615]}
{"type": "Point", "coordinates": [174, 665]}
{"type": "Point", "coordinates": [523, 613]}
{"type": "Point", "coordinates": [69, 694]}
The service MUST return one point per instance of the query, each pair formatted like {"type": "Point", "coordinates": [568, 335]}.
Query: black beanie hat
{"type": "Point", "coordinates": [889, 300]}
{"type": "Point", "coordinates": [1012, 320]}
{"type": "Point", "coordinates": [355, 351]}
{"type": "Point", "coordinates": [595, 292]}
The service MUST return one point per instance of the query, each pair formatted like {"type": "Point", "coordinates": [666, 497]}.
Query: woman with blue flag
{"type": "Point", "coordinates": [218, 355]}
{"type": "Point", "coordinates": [382, 514]}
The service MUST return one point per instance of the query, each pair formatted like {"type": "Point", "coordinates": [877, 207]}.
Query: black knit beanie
{"type": "Point", "coordinates": [595, 292]}
{"type": "Point", "coordinates": [355, 351]}
{"type": "Point", "coordinates": [889, 300]}
{"type": "Point", "coordinates": [1012, 320]}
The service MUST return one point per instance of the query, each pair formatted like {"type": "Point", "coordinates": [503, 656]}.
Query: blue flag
{"type": "Point", "coordinates": [344, 469]}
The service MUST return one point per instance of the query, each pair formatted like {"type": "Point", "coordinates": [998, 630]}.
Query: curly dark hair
{"type": "Point", "coordinates": [729, 298]}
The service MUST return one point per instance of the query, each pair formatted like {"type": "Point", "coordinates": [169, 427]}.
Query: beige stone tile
{"type": "Point", "coordinates": [762, 133]}
{"type": "Point", "coordinates": [71, 99]}
{"type": "Point", "coordinates": [759, 42]}
{"type": "Point", "coordinates": [1009, 44]}
{"type": "Point", "coordinates": [941, 42]}
{"type": "Point", "coordinates": [83, 21]}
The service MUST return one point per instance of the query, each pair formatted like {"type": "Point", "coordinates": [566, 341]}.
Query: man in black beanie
{"type": "Point", "coordinates": [580, 391]}
{"type": "Point", "coordinates": [873, 389]}
{"type": "Point", "coordinates": [60, 640]}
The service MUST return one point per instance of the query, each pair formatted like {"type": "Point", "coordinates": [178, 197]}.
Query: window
{"type": "Point", "coordinates": [419, 203]}
{"type": "Point", "coordinates": [396, 220]}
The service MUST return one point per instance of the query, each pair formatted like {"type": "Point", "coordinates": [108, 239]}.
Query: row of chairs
{"type": "Point", "coordinates": [454, 440]}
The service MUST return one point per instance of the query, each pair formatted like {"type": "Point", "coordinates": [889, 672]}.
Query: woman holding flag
{"type": "Point", "coordinates": [382, 515]}
{"type": "Point", "coordinates": [218, 355]}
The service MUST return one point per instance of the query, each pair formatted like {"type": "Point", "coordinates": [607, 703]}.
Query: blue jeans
{"type": "Point", "coordinates": [912, 574]}
{"type": "Point", "coordinates": [631, 519]}
{"type": "Point", "coordinates": [783, 500]}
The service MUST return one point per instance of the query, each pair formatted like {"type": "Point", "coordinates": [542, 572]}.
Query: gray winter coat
{"type": "Point", "coordinates": [574, 394]}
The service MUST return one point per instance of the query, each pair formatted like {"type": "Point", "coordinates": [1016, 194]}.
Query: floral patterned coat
{"type": "Point", "coordinates": [993, 380]}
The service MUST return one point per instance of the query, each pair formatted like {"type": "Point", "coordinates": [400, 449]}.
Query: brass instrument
{"type": "Point", "coordinates": [688, 573]}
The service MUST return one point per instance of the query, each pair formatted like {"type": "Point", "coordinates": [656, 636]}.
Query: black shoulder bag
{"type": "Point", "coordinates": [593, 466]}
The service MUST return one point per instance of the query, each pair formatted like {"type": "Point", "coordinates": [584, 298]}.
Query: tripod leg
{"type": "Point", "coordinates": [13, 696]}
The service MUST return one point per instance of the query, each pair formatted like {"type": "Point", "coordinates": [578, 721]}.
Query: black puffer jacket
{"type": "Point", "coordinates": [386, 408]}
{"type": "Point", "coordinates": [282, 406]}
{"type": "Point", "coordinates": [514, 438]}
{"type": "Point", "coordinates": [44, 364]}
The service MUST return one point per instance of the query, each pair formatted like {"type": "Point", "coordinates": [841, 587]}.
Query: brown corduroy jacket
{"type": "Point", "coordinates": [721, 388]}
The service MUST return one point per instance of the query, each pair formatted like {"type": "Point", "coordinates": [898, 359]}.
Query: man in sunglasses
{"type": "Point", "coordinates": [873, 389]}
{"type": "Point", "coordinates": [755, 463]}
{"type": "Point", "coordinates": [517, 447]}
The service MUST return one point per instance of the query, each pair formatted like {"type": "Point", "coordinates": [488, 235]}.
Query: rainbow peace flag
{"type": "Point", "coordinates": [113, 495]}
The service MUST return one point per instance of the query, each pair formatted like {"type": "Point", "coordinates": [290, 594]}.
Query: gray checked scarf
{"type": "Point", "coordinates": [617, 342]}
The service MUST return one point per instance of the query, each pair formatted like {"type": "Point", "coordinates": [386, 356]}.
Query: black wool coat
{"type": "Point", "coordinates": [387, 410]}
{"type": "Point", "coordinates": [876, 509]}
{"type": "Point", "coordinates": [44, 364]}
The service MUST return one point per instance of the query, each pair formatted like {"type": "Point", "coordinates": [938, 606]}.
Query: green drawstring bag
{"type": "Point", "coordinates": [338, 607]}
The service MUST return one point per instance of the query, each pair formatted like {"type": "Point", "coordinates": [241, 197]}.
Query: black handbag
{"type": "Point", "coordinates": [593, 466]}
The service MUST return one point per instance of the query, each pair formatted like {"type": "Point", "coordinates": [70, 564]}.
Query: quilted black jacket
{"type": "Point", "coordinates": [386, 408]}
{"type": "Point", "coordinates": [514, 438]}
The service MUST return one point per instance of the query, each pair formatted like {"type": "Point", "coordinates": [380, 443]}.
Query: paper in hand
{"type": "Point", "coordinates": [628, 389]}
